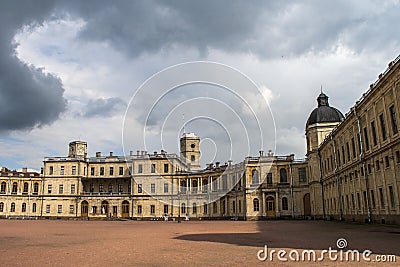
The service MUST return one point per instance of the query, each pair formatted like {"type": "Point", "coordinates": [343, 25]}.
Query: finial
{"type": "Point", "coordinates": [321, 88]}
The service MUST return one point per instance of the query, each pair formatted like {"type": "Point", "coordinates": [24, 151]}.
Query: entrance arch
{"type": "Point", "coordinates": [104, 207]}
{"type": "Point", "coordinates": [270, 206]}
{"type": "Point", "coordinates": [307, 205]}
{"type": "Point", "coordinates": [84, 208]}
{"type": "Point", "coordinates": [125, 209]}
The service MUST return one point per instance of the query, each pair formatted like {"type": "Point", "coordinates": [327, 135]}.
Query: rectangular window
{"type": "Point", "coordinates": [393, 119]}
{"type": "Point", "coordinates": [358, 201]}
{"type": "Point", "coordinates": [47, 208]}
{"type": "Point", "coordinates": [398, 156]}
{"type": "Point", "coordinates": [153, 188]}
{"type": "Point", "coordinates": [101, 188]}
{"type": "Point", "coordinates": [240, 206]}
{"type": "Point", "coordinates": [73, 170]}
{"type": "Point", "coordinates": [392, 198]}
{"type": "Point", "coordinates": [51, 170]}
{"type": "Point", "coordinates": [120, 188]}
{"type": "Point", "coordinates": [92, 171]}
{"type": "Point", "coordinates": [139, 188]}
{"type": "Point", "coordinates": [374, 136]}
{"type": "Point", "coordinates": [101, 170]}
{"type": "Point", "coordinates": [165, 209]}
{"type": "Point", "coordinates": [59, 209]}
{"type": "Point", "coordinates": [140, 168]}
{"type": "Point", "coordinates": [166, 168]}
{"type": "Point", "coordinates": [348, 150]}
{"type": "Point", "coordinates": [111, 170]}
{"type": "Point", "coordinates": [302, 175]}
{"type": "Point", "coordinates": [61, 189]}
{"type": "Point", "coordinates": [139, 209]}
{"type": "Point", "coordinates": [343, 155]}
{"type": "Point", "coordinates": [62, 169]}
{"type": "Point", "coordinates": [353, 147]}
{"type": "Point", "coordinates": [183, 208]}
{"type": "Point", "coordinates": [34, 207]}
{"type": "Point", "coordinates": [224, 182]}
{"type": "Point", "coordinates": [383, 126]}
{"type": "Point", "coordinates": [366, 138]}
{"type": "Point", "coordinates": [152, 209]}
{"type": "Point", "coordinates": [377, 165]}
{"type": "Point", "coordinates": [49, 188]}
{"type": "Point", "coordinates": [194, 209]}
{"type": "Point", "coordinates": [269, 178]}
{"type": "Point", "coordinates": [205, 208]}
{"type": "Point", "coordinates": [91, 188]}
{"type": "Point", "coordinates": [165, 187]}
{"type": "Point", "coordinates": [72, 189]}
{"type": "Point", "coordinates": [153, 168]}
{"type": "Point", "coordinates": [71, 209]}
{"type": "Point", "coordinates": [215, 207]}
{"type": "Point", "coordinates": [373, 199]}
{"type": "Point", "coordinates": [382, 198]}
{"type": "Point", "coordinates": [121, 171]}
{"type": "Point", "coordinates": [387, 163]}
{"type": "Point", "coordinates": [352, 201]}
{"type": "Point", "coordinates": [369, 168]}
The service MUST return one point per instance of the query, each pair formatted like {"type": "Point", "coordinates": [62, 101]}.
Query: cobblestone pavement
{"type": "Point", "coordinates": [193, 243]}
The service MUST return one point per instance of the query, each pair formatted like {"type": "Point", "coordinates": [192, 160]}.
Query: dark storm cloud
{"type": "Point", "coordinates": [28, 96]}
{"type": "Point", "coordinates": [104, 107]}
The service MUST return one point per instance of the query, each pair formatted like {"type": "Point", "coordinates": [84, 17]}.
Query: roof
{"type": "Point", "coordinates": [324, 112]}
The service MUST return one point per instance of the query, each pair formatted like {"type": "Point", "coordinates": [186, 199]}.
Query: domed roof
{"type": "Point", "coordinates": [324, 113]}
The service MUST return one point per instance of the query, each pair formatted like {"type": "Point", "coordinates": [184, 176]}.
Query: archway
{"type": "Point", "coordinates": [125, 209]}
{"type": "Point", "coordinates": [307, 205]}
{"type": "Point", "coordinates": [270, 206]}
{"type": "Point", "coordinates": [84, 208]}
{"type": "Point", "coordinates": [104, 207]}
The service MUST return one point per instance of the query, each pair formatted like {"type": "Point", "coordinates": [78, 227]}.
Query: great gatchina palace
{"type": "Point", "coordinates": [351, 172]}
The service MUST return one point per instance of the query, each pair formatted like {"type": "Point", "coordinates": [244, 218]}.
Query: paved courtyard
{"type": "Point", "coordinates": [194, 243]}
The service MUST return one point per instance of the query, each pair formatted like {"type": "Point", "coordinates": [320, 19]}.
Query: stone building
{"type": "Point", "coordinates": [351, 172]}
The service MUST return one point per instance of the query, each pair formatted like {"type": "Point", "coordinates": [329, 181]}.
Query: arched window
{"type": "Point", "coordinates": [1, 206]}
{"type": "Point", "coordinates": [283, 175]}
{"type": "Point", "coordinates": [183, 186]}
{"type": "Point", "coordinates": [254, 177]}
{"type": "Point", "coordinates": [194, 185]}
{"type": "Point", "coordinates": [256, 204]}
{"type": "Point", "coordinates": [284, 203]}
{"type": "Point", "coordinates": [12, 207]}
{"type": "Point", "coordinates": [34, 207]}
{"type": "Point", "coordinates": [14, 188]}
{"type": "Point", "coordinates": [205, 181]}
{"type": "Point", "coordinates": [23, 207]}
{"type": "Point", "coordinates": [3, 187]}
{"type": "Point", "coordinates": [26, 186]}
{"type": "Point", "coordinates": [36, 188]}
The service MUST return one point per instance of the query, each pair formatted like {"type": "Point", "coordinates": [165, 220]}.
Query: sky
{"type": "Point", "coordinates": [133, 75]}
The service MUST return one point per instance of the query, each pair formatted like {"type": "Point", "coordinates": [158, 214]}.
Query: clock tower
{"type": "Point", "coordinates": [77, 149]}
{"type": "Point", "coordinates": [190, 150]}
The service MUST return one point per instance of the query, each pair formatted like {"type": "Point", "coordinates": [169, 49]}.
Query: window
{"type": "Point", "coordinates": [71, 209]}
{"type": "Point", "coordinates": [165, 187]}
{"type": "Point", "coordinates": [183, 186]}
{"type": "Point", "coordinates": [101, 188]}
{"type": "Point", "coordinates": [12, 207]}
{"type": "Point", "coordinates": [392, 199]}
{"type": "Point", "coordinates": [35, 188]}
{"type": "Point", "coordinates": [60, 189]}
{"type": "Point", "coordinates": [14, 188]}
{"type": "Point", "coordinates": [205, 182]}
{"type": "Point", "coordinates": [3, 187]}
{"type": "Point", "coordinates": [373, 199]}
{"type": "Point", "coordinates": [283, 175]}
{"type": "Point", "coordinates": [1, 206]}
{"type": "Point", "coordinates": [369, 168]}
{"type": "Point", "coordinates": [358, 201]}
{"type": "Point", "coordinates": [194, 209]}
{"type": "Point", "coordinates": [165, 209]}
{"type": "Point", "coordinates": [269, 178]}
{"type": "Point", "coordinates": [215, 207]}
{"type": "Point", "coordinates": [343, 155]}
{"type": "Point", "coordinates": [374, 136]}
{"type": "Point", "coordinates": [302, 175]}
{"type": "Point", "coordinates": [59, 209]}
{"type": "Point", "coordinates": [393, 119]}
{"type": "Point", "coordinates": [92, 171]}
{"type": "Point", "coordinates": [47, 208]}
{"type": "Point", "coordinates": [254, 177]}
{"type": "Point", "coordinates": [348, 151]}
{"type": "Point", "coordinates": [91, 188]}
{"type": "Point", "coordinates": [49, 188]}
{"type": "Point", "coordinates": [352, 201]}
{"type": "Point", "coordinates": [387, 163]}
{"type": "Point", "coordinates": [366, 139]}
{"type": "Point", "coordinates": [377, 165]}
{"type": "Point", "coordinates": [26, 187]}
{"type": "Point", "coordinates": [139, 209]}
{"type": "Point", "coordinates": [51, 170]}
{"type": "Point", "coordinates": [62, 170]}
{"type": "Point", "coordinates": [284, 203]}
{"type": "Point", "coordinates": [224, 182]}
{"type": "Point", "coordinates": [139, 188]}
{"type": "Point", "coordinates": [240, 206]}
{"type": "Point", "coordinates": [34, 207]}
{"type": "Point", "coordinates": [121, 171]}
{"type": "Point", "coordinates": [73, 170]}
{"type": "Point", "coordinates": [383, 127]}
{"type": "Point", "coordinates": [256, 204]}
{"type": "Point", "coordinates": [110, 188]}
{"type": "Point", "coordinates": [152, 209]}
{"type": "Point", "coordinates": [192, 158]}
{"type": "Point", "coordinates": [72, 189]}
{"type": "Point", "coordinates": [111, 170]}
{"type": "Point", "coordinates": [382, 198]}
{"type": "Point", "coordinates": [183, 208]}
{"type": "Point", "coordinates": [205, 208]}
{"type": "Point", "coordinates": [153, 168]}
{"type": "Point", "coordinates": [398, 156]}
{"type": "Point", "coordinates": [153, 188]}
{"type": "Point", "coordinates": [101, 170]}
{"type": "Point", "coordinates": [353, 147]}
{"type": "Point", "coordinates": [166, 168]}
{"type": "Point", "coordinates": [140, 168]}
{"type": "Point", "coordinates": [23, 208]}
{"type": "Point", "coordinates": [120, 188]}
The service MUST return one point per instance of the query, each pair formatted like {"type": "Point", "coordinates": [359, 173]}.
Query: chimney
{"type": "Point", "coordinates": [131, 153]}
{"type": "Point", "coordinates": [98, 154]}
{"type": "Point", "coordinates": [111, 154]}
{"type": "Point", "coordinates": [230, 162]}
{"type": "Point", "coordinates": [261, 153]}
{"type": "Point", "coordinates": [24, 170]}
{"type": "Point", "coordinates": [270, 153]}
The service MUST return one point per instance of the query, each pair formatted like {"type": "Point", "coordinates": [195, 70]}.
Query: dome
{"type": "Point", "coordinates": [324, 113]}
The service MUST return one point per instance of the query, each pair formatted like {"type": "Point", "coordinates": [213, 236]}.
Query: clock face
{"type": "Point", "coordinates": [192, 145]}
{"type": "Point", "coordinates": [81, 150]}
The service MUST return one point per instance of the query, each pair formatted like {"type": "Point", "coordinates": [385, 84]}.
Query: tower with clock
{"type": "Point", "coordinates": [77, 149]}
{"type": "Point", "coordinates": [190, 150]}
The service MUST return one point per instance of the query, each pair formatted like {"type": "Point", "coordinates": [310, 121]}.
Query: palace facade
{"type": "Point", "coordinates": [351, 172]}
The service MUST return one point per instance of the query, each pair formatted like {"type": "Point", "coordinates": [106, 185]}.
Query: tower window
{"type": "Point", "coordinates": [192, 158]}
{"type": "Point", "coordinates": [192, 145]}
